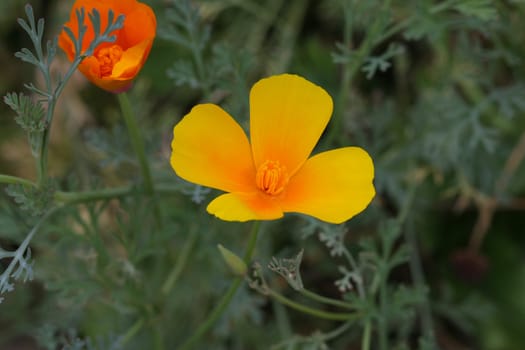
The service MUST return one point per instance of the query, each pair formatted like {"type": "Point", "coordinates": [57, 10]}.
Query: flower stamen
{"type": "Point", "coordinates": [107, 58]}
{"type": "Point", "coordinates": [272, 177]}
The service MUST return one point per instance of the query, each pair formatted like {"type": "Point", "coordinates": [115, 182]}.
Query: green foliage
{"type": "Point", "coordinates": [99, 37]}
{"type": "Point", "coordinates": [32, 200]}
{"type": "Point", "coordinates": [482, 9]}
{"type": "Point", "coordinates": [433, 90]}
{"type": "Point", "coordinates": [381, 63]}
{"type": "Point", "coordinates": [289, 269]}
{"type": "Point", "coordinates": [30, 114]}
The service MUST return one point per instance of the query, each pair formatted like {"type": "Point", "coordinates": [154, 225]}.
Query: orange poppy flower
{"type": "Point", "coordinates": [273, 174]}
{"type": "Point", "coordinates": [113, 66]}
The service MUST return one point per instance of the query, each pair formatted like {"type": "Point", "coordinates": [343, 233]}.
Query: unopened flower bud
{"type": "Point", "coordinates": [236, 264]}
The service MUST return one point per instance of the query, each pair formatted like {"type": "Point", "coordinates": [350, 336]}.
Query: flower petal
{"type": "Point", "coordinates": [102, 7]}
{"type": "Point", "coordinates": [209, 148]}
{"type": "Point", "coordinates": [131, 61]}
{"type": "Point", "coordinates": [244, 207]}
{"type": "Point", "coordinates": [287, 116]}
{"type": "Point", "coordinates": [140, 24]}
{"type": "Point", "coordinates": [135, 39]}
{"type": "Point", "coordinates": [332, 186]}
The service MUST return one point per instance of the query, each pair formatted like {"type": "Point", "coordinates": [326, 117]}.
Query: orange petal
{"type": "Point", "coordinates": [140, 24]}
{"type": "Point", "coordinates": [209, 148]}
{"type": "Point", "coordinates": [89, 67]}
{"type": "Point", "coordinates": [244, 207]}
{"type": "Point", "coordinates": [332, 186]}
{"type": "Point", "coordinates": [287, 116]}
{"type": "Point", "coordinates": [131, 61]}
{"type": "Point", "coordinates": [135, 38]}
{"type": "Point", "coordinates": [102, 7]}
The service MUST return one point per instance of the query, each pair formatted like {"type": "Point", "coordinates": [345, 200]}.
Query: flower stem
{"type": "Point", "coordinates": [227, 298]}
{"type": "Point", "coordinates": [325, 300]}
{"type": "Point", "coordinates": [311, 311]}
{"type": "Point", "coordinates": [138, 145]}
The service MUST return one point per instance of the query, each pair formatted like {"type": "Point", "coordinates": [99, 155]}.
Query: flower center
{"type": "Point", "coordinates": [271, 177]}
{"type": "Point", "coordinates": [107, 57]}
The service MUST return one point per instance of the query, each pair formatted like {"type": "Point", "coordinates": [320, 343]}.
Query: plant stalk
{"type": "Point", "coordinates": [227, 298]}
{"type": "Point", "coordinates": [138, 146]}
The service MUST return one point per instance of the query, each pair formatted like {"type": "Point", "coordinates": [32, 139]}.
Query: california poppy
{"type": "Point", "coordinates": [113, 66]}
{"type": "Point", "coordinates": [273, 173]}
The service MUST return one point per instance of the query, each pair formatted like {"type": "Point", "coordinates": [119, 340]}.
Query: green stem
{"type": "Point", "coordinates": [295, 341]}
{"type": "Point", "coordinates": [91, 196]}
{"type": "Point", "coordinates": [384, 271]}
{"type": "Point", "coordinates": [365, 343]}
{"type": "Point", "coordinates": [445, 5]}
{"type": "Point", "coordinates": [311, 311]}
{"type": "Point", "coordinates": [351, 67]}
{"type": "Point", "coordinates": [282, 320]}
{"type": "Point", "coordinates": [396, 28]}
{"type": "Point", "coordinates": [252, 242]}
{"type": "Point", "coordinates": [325, 300]}
{"type": "Point", "coordinates": [53, 95]}
{"type": "Point", "coordinates": [131, 331]}
{"type": "Point", "coordinates": [15, 180]}
{"type": "Point", "coordinates": [338, 331]}
{"type": "Point", "coordinates": [383, 321]}
{"type": "Point", "coordinates": [18, 255]}
{"type": "Point", "coordinates": [181, 261]}
{"type": "Point", "coordinates": [355, 268]}
{"type": "Point", "coordinates": [138, 146]}
{"type": "Point", "coordinates": [416, 270]}
{"type": "Point", "coordinates": [227, 298]}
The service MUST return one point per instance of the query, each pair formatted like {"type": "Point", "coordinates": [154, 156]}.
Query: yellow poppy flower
{"type": "Point", "coordinates": [113, 66]}
{"type": "Point", "coordinates": [273, 174]}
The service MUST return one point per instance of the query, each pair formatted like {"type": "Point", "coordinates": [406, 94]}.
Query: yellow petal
{"type": "Point", "coordinates": [244, 207]}
{"type": "Point", "coordinates": [209, 148]}
{"type": "Point", "coordinates": [332, 186]}
{"type": "Point", "coordinates": [287, 116]}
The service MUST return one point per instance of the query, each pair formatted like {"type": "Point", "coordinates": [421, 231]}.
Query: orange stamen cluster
{"type": "Point", "coordinates": [107, 58]}
{"type": "Point", "coordinates": [271, 177]}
